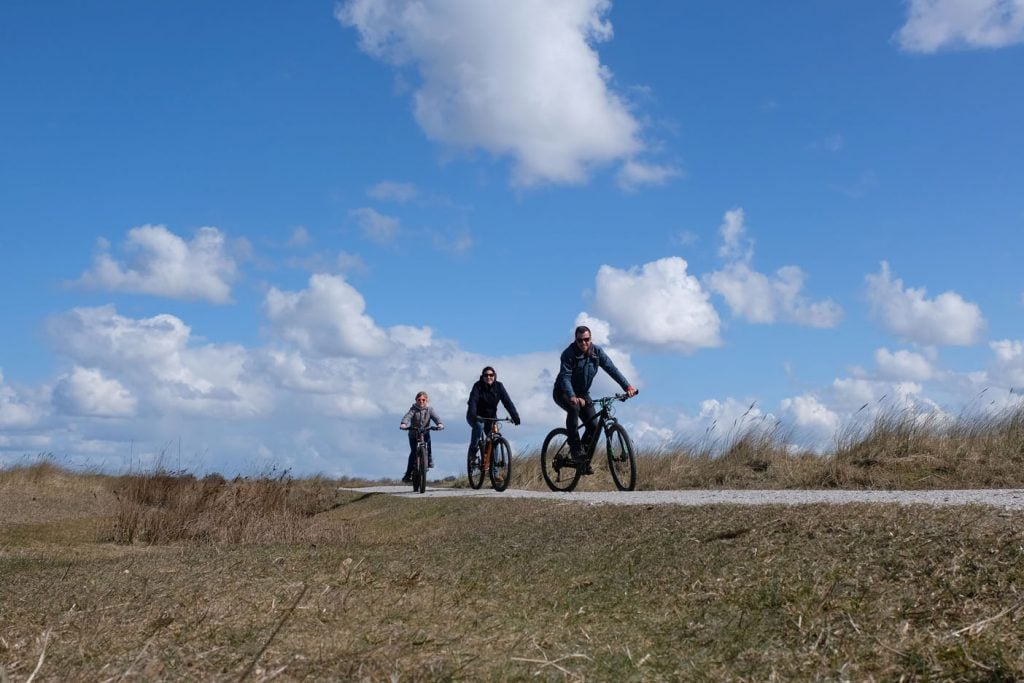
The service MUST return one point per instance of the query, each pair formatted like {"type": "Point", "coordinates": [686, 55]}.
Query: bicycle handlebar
{"type": "Point", "coordinates": [611, 399]}
{"type": "Point", "coordinates": [481, 418]}
{"type": "Point", "coordinates": [431, 428]}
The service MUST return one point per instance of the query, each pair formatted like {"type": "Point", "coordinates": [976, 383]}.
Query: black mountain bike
{"type": "Point", "coordinates": [422, 459]}
{"type": "Point", "coordinates": [562, 472]}
{"type": "Point", "coordinates": [493, 456]}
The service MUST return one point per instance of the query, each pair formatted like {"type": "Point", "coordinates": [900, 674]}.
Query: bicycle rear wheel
{"type": "Point", "coordinates": [419, 480]}
{"type": "Point", "coordinates": [475, 469]}
{"type": "Point", "coordinates": [621, 460]}
{"type": "Point", "coordinates": [501, 464]}
{"type": "Point", "coordinates": [556, 464]}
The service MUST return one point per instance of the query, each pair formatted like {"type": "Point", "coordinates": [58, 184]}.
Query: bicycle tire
{"type": "Point", "coordinates": [419, 481]}
{"type": "Point", "coordinates": [475, 469]}
{"type": "Point", "coordinates": [621, 458]}
{"type": "Point", "coordinates": [560, 473]}
{"type": "Point", "coordinates": [501, 464]}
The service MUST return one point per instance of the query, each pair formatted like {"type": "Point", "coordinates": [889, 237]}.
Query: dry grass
{"type": "Point", "coordinates": [167, 508]}
{"type": "Point", "coordinates": [896, 450]}
{"type": "Point", "coordinates": [385, 588]}
{"type": "Point", "coordinates": [166, 576]}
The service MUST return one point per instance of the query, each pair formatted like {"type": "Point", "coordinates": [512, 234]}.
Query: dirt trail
{"type": "Point", "coordinates": [1010, 499]}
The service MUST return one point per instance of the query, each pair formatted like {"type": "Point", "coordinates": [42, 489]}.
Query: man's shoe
{"type": "Point", "coordinates": [585, 468]}
{"type": "Point", "coordinates": [407, 479]}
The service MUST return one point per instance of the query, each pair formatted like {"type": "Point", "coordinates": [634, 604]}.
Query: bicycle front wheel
{"type": "Point", "coordinates": [475, 469]}
{"type": "Point", "coordinates": [419, 482]}
{"type": "Point", "coordinates": [556, 463]}
{"type": "Point", "coordinates": [621, 459]}
{"type": "Point", "coordinates": [501, 464]}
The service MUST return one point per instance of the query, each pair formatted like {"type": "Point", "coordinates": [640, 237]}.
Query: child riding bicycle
{"type": "Point", "coordinates": [419, 415]}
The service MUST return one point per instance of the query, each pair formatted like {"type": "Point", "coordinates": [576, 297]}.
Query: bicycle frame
{"type": "Point", "coordinates": [492, 428]}
{"type": "Point", "coordinates": [422, 454]}
{"type": "Point", "coordinates": [562, 470]}
{"type": "Point", "coordinates": [487, 438]}
{"type": "Point", "coordinates": [421, 432]}
{"type": "Point", "coordinates": [490, 436]}
{"type": "Point", "coordinates": [602, 423]}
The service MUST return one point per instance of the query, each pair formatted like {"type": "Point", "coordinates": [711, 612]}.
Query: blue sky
{"type": "Point", "coordinates": [249, 233]}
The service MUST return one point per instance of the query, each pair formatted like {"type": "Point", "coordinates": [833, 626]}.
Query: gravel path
{"type": "Point", "coordinates": [1009, 499]}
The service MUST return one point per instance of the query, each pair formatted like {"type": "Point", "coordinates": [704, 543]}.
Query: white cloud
{"type": "Point", "coordinates": [936, 24]}
{"type": "Point", "coordinates": [756, 297]}
{"type": "Point", "coordinates": [300, 237]}
{"type": "Point", "coordinates": [293, 371]}
{"type": "Point", "coordinates": [720, 421]}
{"type": "Point", "coordinates": [351, 263]}
{"type": "Point", "coordinates": [154, 359]}
{"type": "Point", "coordinates": [376, 226]}
{"type": "Point", "coordinates": [327, 262]}
{"type": "Point", "coordinates": [945, 320]}
{"type": "Point", "coordinates": [736, 246]}
{"type": "Point", "coordinates": [85, 391]}
{"type": "Point", "coordinates": [658, 304]}
{"type": "Point", "coordinates": [162, 264]}
{"type": "Point", "coordinates": [1009, 363]}
{"type": "Point", "coordinates": [645, 434]}
{"type": "Point", "coordinates": [388, 190]}
{"type": "Point", "coordinates": [817, 421]}
{"type": "Point", "coordinates": [856, 395]}
{"type": "Point", "coordinates": [329, 319]}
{"type": "Point", "coordinates": [16, 411]}
{"type": "Point", "coordinates": [520, 79]}
{"type": "Point", "coordinates": [685, 238]}
{"type": "Point", "coordinates": [903, 365]}
{"type": "Point", "coordinates": [411, 337]}
{"type": "Point", "coordinates": [635, 174]}
{"type": "Point", "coordinates": [454, 242]}
{"type": "Point", "coordinates": [21, 444]}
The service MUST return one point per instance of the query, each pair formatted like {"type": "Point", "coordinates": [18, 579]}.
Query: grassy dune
{"type": "Point", "coordinates": [172, 577]}
{"type": "Point", "coordinates": [897, 449]}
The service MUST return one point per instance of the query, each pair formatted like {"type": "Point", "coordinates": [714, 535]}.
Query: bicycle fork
{"type": "Point", "coordinates": [485, 454]}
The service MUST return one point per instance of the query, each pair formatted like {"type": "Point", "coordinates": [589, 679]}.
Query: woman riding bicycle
{"type": "Point", "coordinates": [419, 416]}
{"type": "Point", "coordinates": [578, 367]}
{"type": "Point", "coordinates": [484, 398]}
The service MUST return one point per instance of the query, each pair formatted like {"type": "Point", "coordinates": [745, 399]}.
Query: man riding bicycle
{"type": "Point", "coordinates": [578, 367]}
